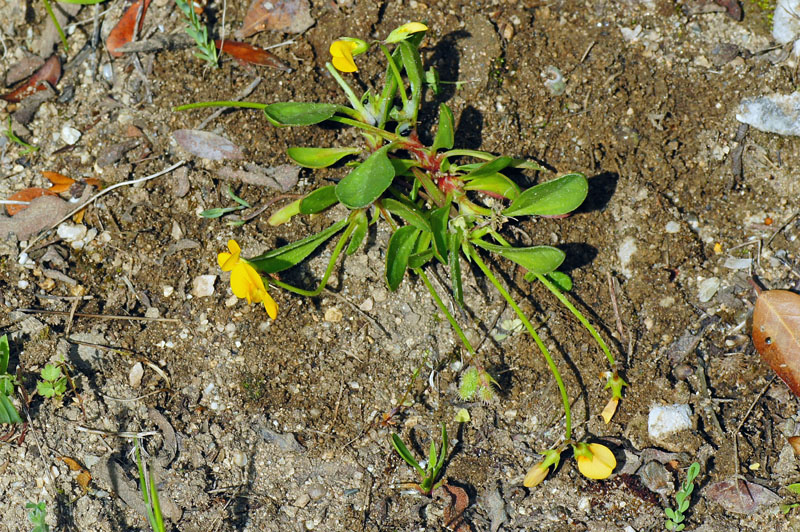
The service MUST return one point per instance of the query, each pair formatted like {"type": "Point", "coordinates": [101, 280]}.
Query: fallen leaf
{"type": "Point", "coordinates": [27, 194]}
{"type": "Point", "coordinates": [776, 334]}
{"type": "Point", "coordinates": [42, 213]}
{"type": "Point", "coordinates": [23, 68]}
{"type": "Point", "coordinates": [71, 463]}
{"type": "Point", "coordinates": [61, 183]}
{"type": "Point", "coordinates": [123, 31]}
{"type": "Point", "coordinates": [454, 511]}
{"type": "Point", "coordinates": [290, 16]}
{"type": "Point", "coordinates": [251, 54]}
{"type": "Point", "coordinates": [83, 478]}
{"type": "Point", "coordinates": [739, 496]}
{"type": "Point", "coordinates": [49, 72]}
{"type": "Point", "coordinates": [282, 177]}
{"type": "Point", "coordinates": [207, 145]}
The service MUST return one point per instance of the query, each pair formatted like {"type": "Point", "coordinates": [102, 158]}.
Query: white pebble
{"type": "Point", "coordinates": [167, 290]}
{"type": "Point", "coordinates": [23, 284]}
{"type": "Point", "coordinates": [203, 285]}
{"type": "Point", "coordinates": [737, 264]}
{"type": "Point", "coordinates": [70, 135]}
{"type": "Point", "coordinates": [666, 420]}
{"type": "Point", "coordinates": [333, 315]}
{"type": "Point", "coordinates": [707, 289]}
{"type": "Point", "coordinates": [70, 232]}
{"type": "Point", "coordinates": [672, 227]}
{"type": "Point", "coordinates": [135, 375]}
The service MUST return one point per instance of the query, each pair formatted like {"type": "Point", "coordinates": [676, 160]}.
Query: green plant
{"type": "Point", "coordinates": [433, 468]}
{"type": "Point", "coordinates": [683, 499]}
{"type": "Point", "coordinates": [147, 484]}
{"type": "Point", "coordinates": [9, 132]}
{"type": "Point", "coordinates": [8, 414]}
{"type": "Point", "coordinates": [53, 382]}
{"type": "Point", "coordinates": [197, 30]}
{"type": "Point", "coordinates": [49, 8]}
{"type": "Point", "coordinates": [788, 507]}
{"type": "Point", "coordinates": [37, 515]}
{"type": "Point", "coordinates": [218, 212]}
{"type": "Point", "coordinates": [442, 204]}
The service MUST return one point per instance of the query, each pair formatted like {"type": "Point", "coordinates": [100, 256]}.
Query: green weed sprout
{"type": "Point", "coordinates": [8, 414]}
{"type": "Point", "coordinates": [683, 499]}
{"type": "Point", "coordinates": [9, 132]}
{"type": "Point", "coordinates": [218, 212]}
{"type": "Point", "coordinates": [442, 205]}
{"type": "Point", "coordinates": [37, 515]}
{"type": "Point", "coordinates": [430, 473]}
{"type": "Point", "coordinates": [53, 383]}
{"type": "Point", "coordinates": [197, 30]}
{"type": "Point", "coordinates": [49, 8]}
{"type": "Point", "coordinates": [147, 483]}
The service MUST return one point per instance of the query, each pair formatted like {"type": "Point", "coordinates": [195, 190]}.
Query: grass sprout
{"type": "Point", "coordinates": [197, 30]}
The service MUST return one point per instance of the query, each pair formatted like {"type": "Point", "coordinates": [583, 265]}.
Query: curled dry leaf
{"type": "Point", "coordinates": [290, 16]}
{"type": "Point", "coordinates": [776, 334]}
{"type": "Point", "coordinates": [251, 54]}
{"type": "Point", "coordinates": [61, 183]}
{"type": "Point", "coordinates": [84, 477]}
{"type": "Point", "coordinates": [49, 72]}
{"type": "Point", "coordinates": [207, 145]}
{"type": "Point", "coordinates": [739, 496]}
{"type": "Point", "coordinates": [27, 194]}
{"type": "Point", "coordinates": [454, 511]}
{"type": "Point", "coordinates": [123, 31]}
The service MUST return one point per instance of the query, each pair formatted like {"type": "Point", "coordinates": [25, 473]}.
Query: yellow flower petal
{"type": "Point", "coordinates": [601, 463]}
{"type": "Point", "coordinates": [610, 409]}
{"type": "Point", "coordinates": [240, 281]}
{"type": "Point", "coordinates": [270, 306]}
{"type": "Point", "coordinates": [535, 476]}
{"type": "Point", "coordinates": [227, 261]}
{"type": "Point", "coordinates": [342, 54]}
{"type": "Point", "coordinates": [400, 34]}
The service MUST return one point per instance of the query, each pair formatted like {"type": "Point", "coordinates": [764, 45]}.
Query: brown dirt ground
{"type": "Point", "coordinates": [275, 422]}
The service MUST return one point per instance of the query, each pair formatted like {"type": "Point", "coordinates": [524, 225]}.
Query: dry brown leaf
{"type": "Point", "coordinates": [739, 496]}
{"type": "Point", "coordinates": [61, 183]}
{"type": "Point", "coordinates": [123, 31]}
{"type": "Point", "coordinates": [27, 194]}
{"type": "Point", "coordinates": [49, 72]}
{"type": "Point", "coordinates": [454, 511]}
{"type": "Point", "coordinates": [251, 54]}
{"type": "Point", "coordinates": [71, 463]}
{"type": "Point", "coordinates": [776, 334]}
{"type": "Point", "coordinates": [83, 479]}
{"type": "Point", "coordinates": [207, 145]}
{"type": "Point", "coordinates": [290, 16]}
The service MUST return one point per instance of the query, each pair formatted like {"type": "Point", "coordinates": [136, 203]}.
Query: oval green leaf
{"type": "Point", "coordinates": [445, 136]}
{"type": "Point", "coordinates": [284, 214]}
{"type": "Point", "coordinates": [497, 184]}
{"type": "Point", "coordinates": [359, 232]}
{"type": "Point", "coordinates": [439, 219]}
{"type": "Point", "coordinates": [291, 254]}
{"type": "Point", "coordinates": [299, 113]}
{"type": "Point", "coordinates": [551, 198]}
{"type": "Point", "coordinates": [318, 200]}
{"type": "Point", "coordinates": [490, 168]}
{"type": "Point", "coordinates": [318, 157]}
{"type": "Point", "coordinates": [409, 213]}
{"type": "Point", "coordinates": [537, 259]}
{"type": "Point", "coordinates": [401, 245]}
{"type": "Point", "coordinates": [367, 182]}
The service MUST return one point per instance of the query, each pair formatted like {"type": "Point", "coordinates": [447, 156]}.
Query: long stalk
{"type": "Point", "coordinates": [453, 323]}
{"type": "Point", "coordinates": [553, 368]}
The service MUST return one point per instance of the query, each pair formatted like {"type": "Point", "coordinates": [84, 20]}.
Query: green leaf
{"type": "Point", "coordinates": [291, 254]}
{"type": "Point", "coordinates": [284, 214]}
{"type": "Point", "coordinates": [401, 245]}
{"type": "Point", "coordinates": [454, 240]}
{"type": "Point", "coordinates": [431, 459]}
{"type": "Point", "coordinates": [496, 183]}
{"type": "Point", "coordinates": [439, 218]}
{"type": "Point", "coordinates": [562, 281]}
{"type": "Point", "coordinates": [217, 212]}
{"type": "Point", "coordinates": [236, 198]}
{"type": "Point", "coordinates": [405, 454]}
{"type": "Point", "coordinates": [413, 65]}
{"type": "Point", "coordinates": [5, 352]}
{"type": "Point", "coordinates": [366, 183]}
{"type": "Point", "coordinates": [432, 79]}
{"type": "Point", "coordinates": [45, 389]}
{"type": "Point", "coordinates": [794, 488]}
{"type": "Point", "coordinates": [8, 414]}
{"type": "Point", "coordinates": [443, 454]}
{"type": "Point", "coordinates": [670, 513]}
{"type": "Point", "coordinates": [537, 259]}
{"type": "Point", "coordinates": [299, 113]}
{"type": "Point", "coordinates": [489, 168]}
{"type": "Point", "coordinates": [402, 166]}
{"type": "Point", "coordinates": [6, 384]}
{"type": "Point", "coordinates": [420, 259]}
{"type": "Point", "coordinates": [409, 213]}
{"type": "Point", "coordinates": [684, 505]}
{"type": "Point", "coordinates": [51, 372]}
{"type": "Point", "coordinates": [319, 157]}
{"type": "Point", "coordinates": [359, 232]}
{"type": "Point", "coordinates": [445, 136]}
{"type": "Point", "coordinates": [551, 198]}
{"type": "Point", "coordinates": [318, 200]}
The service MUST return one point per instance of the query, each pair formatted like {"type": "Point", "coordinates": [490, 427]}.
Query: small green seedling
{"type": "Point", "coordinates": [9, 132]}
{"type": "Point", "coordinates": [431, 472]}
{"type": "Point", "coordinates": [8, 414]}
{"type": "Point", "coordinates": [676, 516]}
{"type": "Point", "coordinates": [206, 49]}
{"type": "Point", "coordinates": [218, 212]}
{"type": "Point", "coordinates": [53, 383]}
{"type": "Point", "coordinates": [788, 507]}
{"type": "Point", "coordinates": [37, 515]}
{"type": "Point", "coordinates": [147, 483]}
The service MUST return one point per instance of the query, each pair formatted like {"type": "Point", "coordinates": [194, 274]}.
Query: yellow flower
{"type": "Point", "coordinates": [246, 283]}
{"type": "Point", "coordinates": [535, 475]}
{"type": "Point", "coordinates": [594, 460]}
{"type": "Point", "coordinates": [401, 33]}
{"type": "Point", "coordinates": [342, 53]}
{"type": "Point", "coordinates": [610, 409]}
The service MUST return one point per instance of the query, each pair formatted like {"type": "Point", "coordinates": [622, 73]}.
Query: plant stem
{"type": "Point", "coordinates": [221, 103]}
{"type": "Point", "coordinates": [396, 73]}
{"type": "Point", "coordinates": [581, 318]}
{"type": "Point", "coordinates": [336, 251]}
{"type": "Point", "coordinates": [553, 369]}
{"type": "Point", "coordinates": [391, 137]}
{"type": "Point", "coordinates": [50, 12]}
{"type": "Point", "coordinates": [351, 96]}
{"type": "Point", "coordinates": [453, 323]}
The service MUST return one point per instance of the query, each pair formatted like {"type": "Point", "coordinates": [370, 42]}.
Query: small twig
{"type": "Point", "coordinates": [101, 194]}
{"type": "Point", "coordinates": [98, 316]}
{"type": "Point", "coordinates": [782, 227]}
{"type": "Point", "coordinates": [613, 293]}
{"type": "Point", "coordinates": [588, 49]}
{"type": "Point", "coordinates": [72, 310]}
{"type": "Point", "coordinates": [352, 305]}
{"type": "Point", "coordinates": [121, 434]}
{"type": "Point", "coordinates": [739, 428]}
